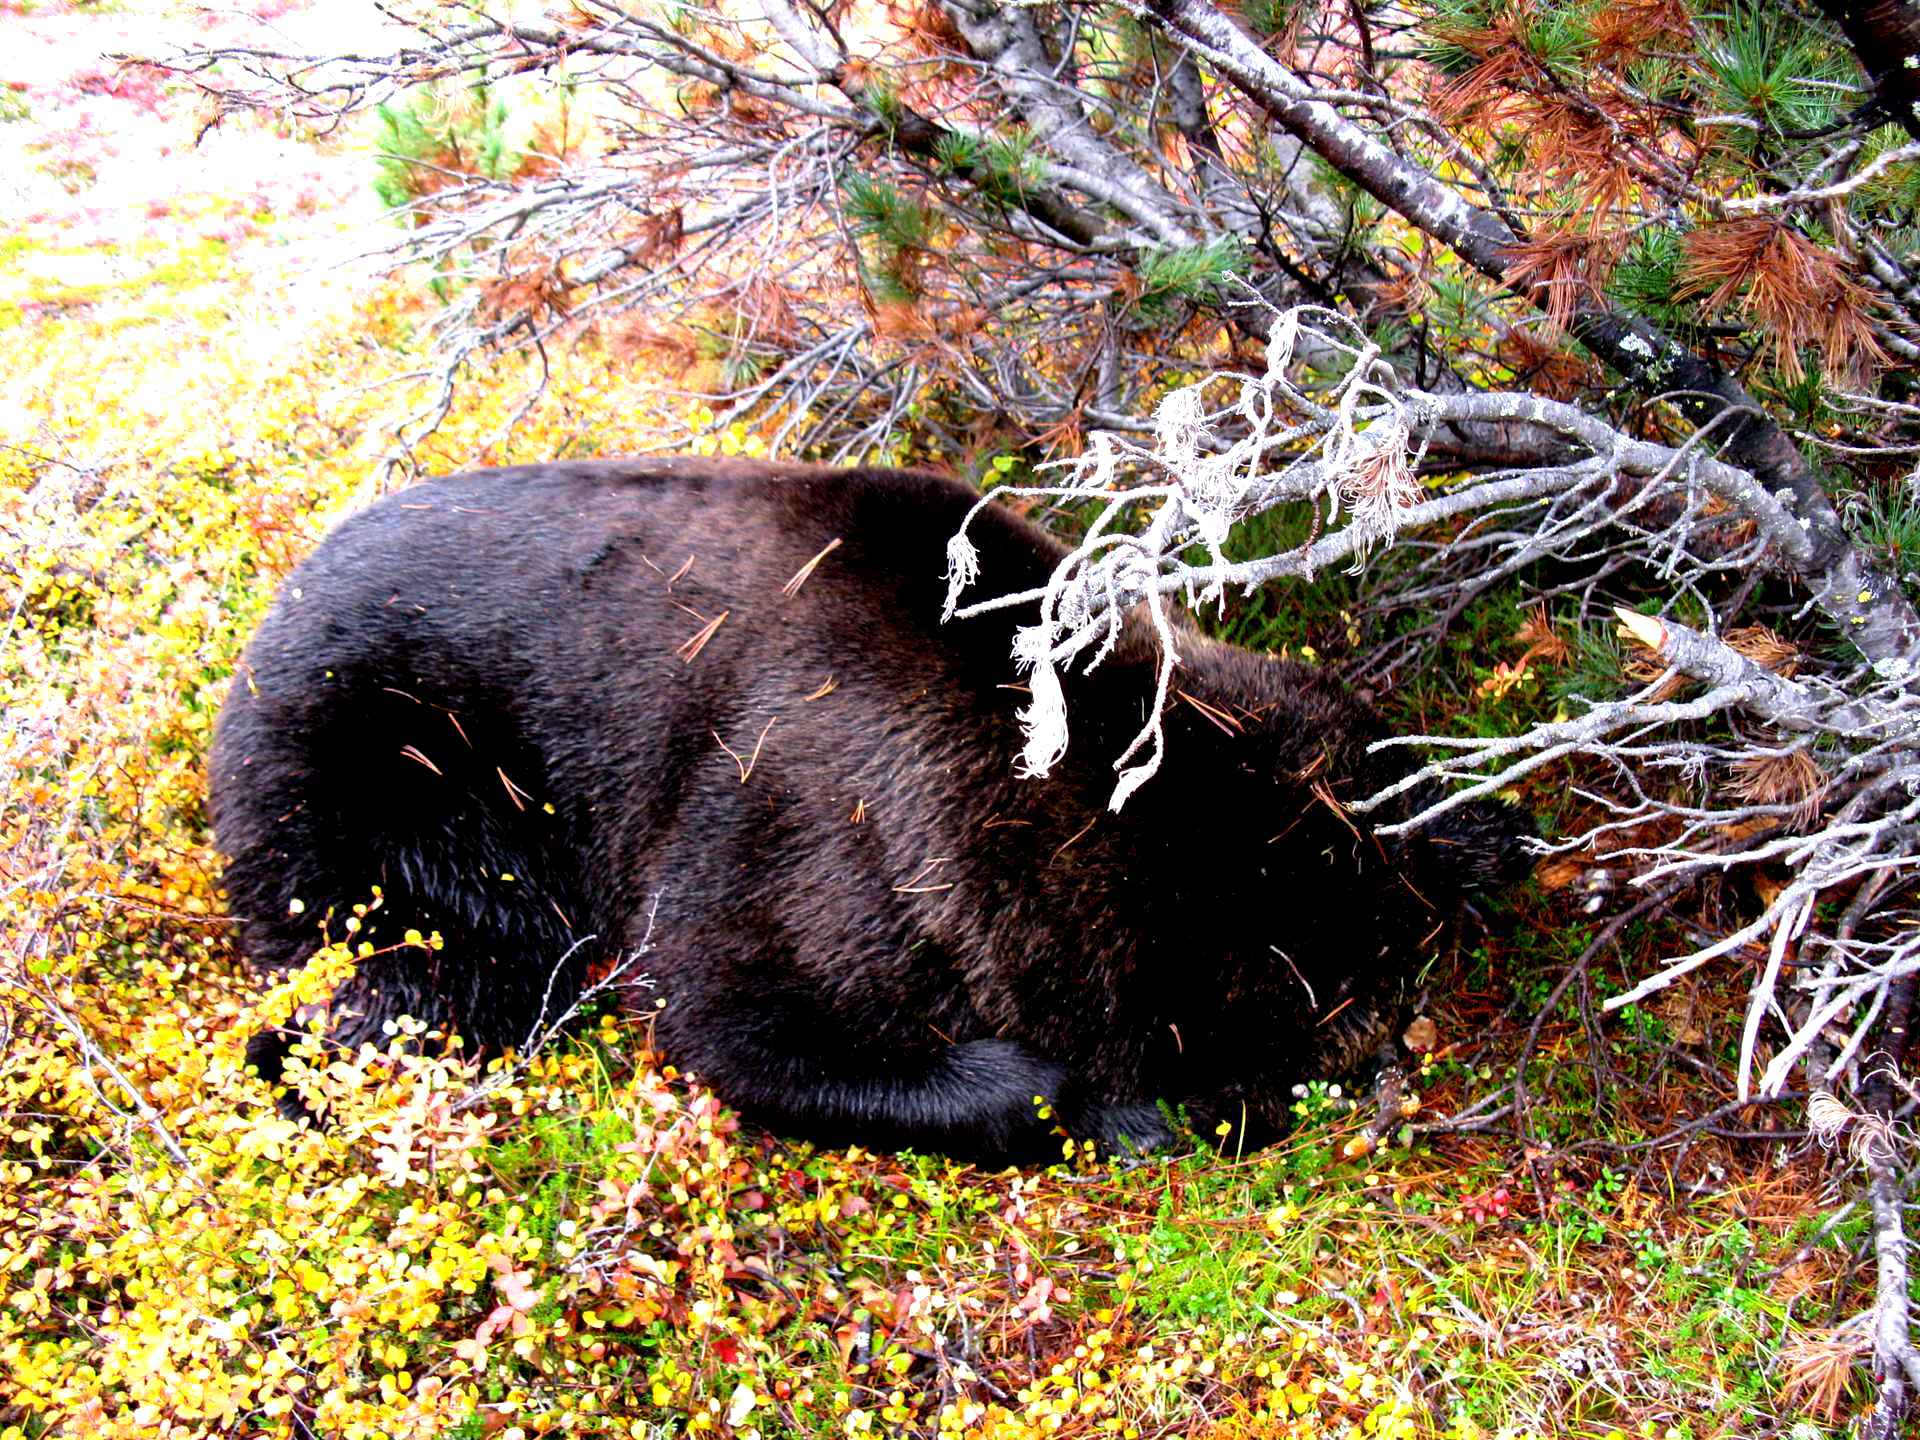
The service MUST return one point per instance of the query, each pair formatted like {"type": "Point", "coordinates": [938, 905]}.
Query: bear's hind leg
{"type": "Point", "coordinates": [383, 825]}
{"type": "Point", "coordinates": [986, 1100]}
{"type": "Point", "coordinates": [501, 974]}
{"type": "Point", "coordinates": [797, 1073]}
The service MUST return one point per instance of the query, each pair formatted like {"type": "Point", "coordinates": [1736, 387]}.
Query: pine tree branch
{"type": "Point", "coordinates": [1007, 41]}
{"type": "Point", "coordinates": [1868, 608]}
{"type": "Point", "coordinates": [1894, 1359]}
{"type": "Point", "coordinates": [922, 136]}
{"type": "Point", "coordinates": [1214, 182]}
{"type": "Point", "coordinates": [1783, 702]}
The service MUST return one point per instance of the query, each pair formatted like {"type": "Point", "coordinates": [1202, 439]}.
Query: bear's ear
{"type": "Point", "coordinates": [1478, 846]}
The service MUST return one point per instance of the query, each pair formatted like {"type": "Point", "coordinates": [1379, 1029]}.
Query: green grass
{"type": "Point", "coordinates": [1301, 619]}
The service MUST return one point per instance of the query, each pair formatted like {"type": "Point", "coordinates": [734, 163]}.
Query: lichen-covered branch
{"type": "Point", "coordinates": [1875, 613]}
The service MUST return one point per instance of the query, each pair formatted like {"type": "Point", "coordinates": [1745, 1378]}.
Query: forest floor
{"type": "Point", "coordinates": [197, 376]}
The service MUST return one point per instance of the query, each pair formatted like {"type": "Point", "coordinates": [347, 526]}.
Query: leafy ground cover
{"type": "Point", "coordinates": [583, 1241]}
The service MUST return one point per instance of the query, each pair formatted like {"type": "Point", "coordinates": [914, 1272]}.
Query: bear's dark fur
{"type": "Point", "coordinates": [881, 933]}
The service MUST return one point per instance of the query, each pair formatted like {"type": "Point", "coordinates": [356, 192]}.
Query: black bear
{"type": "Point", "coordinates": [528, 702]}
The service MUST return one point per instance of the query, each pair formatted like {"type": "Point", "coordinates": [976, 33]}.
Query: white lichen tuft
{"type": "Point", "coordinates": [1377, 485]}
{"type": "Point", "coordinates": [1045, 718]}
{"type": "Point", "coordinates": [1827, 1117]}
{"type": "Point", "coordinates": [1131, 779]}
{"type": "Point", "coordinates": [963, 568]}
{"type": "Point", "coordinates": [1181, 425]}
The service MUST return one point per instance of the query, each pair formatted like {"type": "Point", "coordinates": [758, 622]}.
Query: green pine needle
{"type": "Point", "coordinates": [1196, 274]}
{"type": "Point", "coordinates": [1768, 65]}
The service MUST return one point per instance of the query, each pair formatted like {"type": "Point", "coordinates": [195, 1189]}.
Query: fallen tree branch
{"type": "Point", "coordinates": [1896, 1364]}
